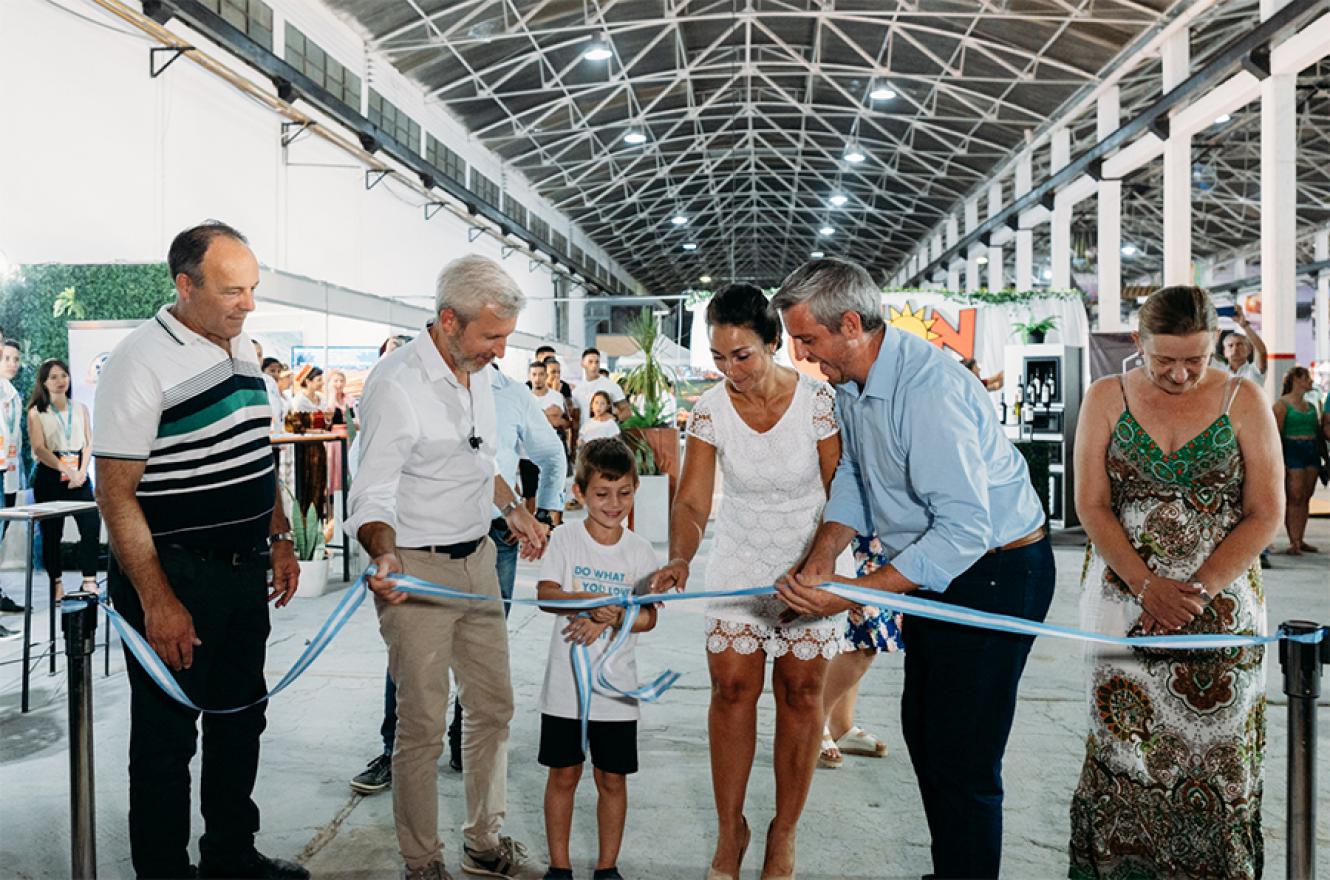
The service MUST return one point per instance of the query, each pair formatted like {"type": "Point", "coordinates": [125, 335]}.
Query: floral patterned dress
{"type": "Point", "coordinates": [1171, 785]}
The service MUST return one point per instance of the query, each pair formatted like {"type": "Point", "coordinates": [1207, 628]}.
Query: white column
{"type": "Point", "coordinates": [1239, 272]}
{"type": "Point", "coordinates": [995, 279]}
{"type": "Point", "coordinates": [972, 258]}
{"type": "Point", "coordinates": [1110, 225]}
{"type": "Point", "coordinates": [1279, 207]}
{"type": "Point", "coordinates": [953, 265]}
{"type": "Point", "coordinates": [1176, 58]}
{"type": "Point", "coordinates": [1060, 245]}
{"type": "Point", "coordinates": [1024, 237]}
{"type": "Point", "coordinates": [1322, 314]}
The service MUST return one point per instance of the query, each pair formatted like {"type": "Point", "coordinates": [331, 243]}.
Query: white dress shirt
{"type": "Point", "coordinates": [419, 472]}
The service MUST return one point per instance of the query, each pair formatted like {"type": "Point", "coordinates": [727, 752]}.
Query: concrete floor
{"type": "Point", "coordinates": [862, 821]}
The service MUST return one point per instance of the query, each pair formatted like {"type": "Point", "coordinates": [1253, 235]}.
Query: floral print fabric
{"type": "Point", "coordinates": [1171, 785]}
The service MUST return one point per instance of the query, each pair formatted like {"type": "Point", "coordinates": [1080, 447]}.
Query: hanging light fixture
{"type": "Point", "coordinates": [853, 153]}
{"type": "Point", "coordinates": [598, 50]}
{"type": "Point", "coordinates": [881, 92]}
{"type": "Point", "coordinates": [838, 199]}
{"type": "Point", "coordinates": [634, 137]}
{"type": "Point", "coordinates": [826, 231]}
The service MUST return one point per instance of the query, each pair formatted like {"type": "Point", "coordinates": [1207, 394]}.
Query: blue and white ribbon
{"type": "Point", "coordinates": [593, 677]}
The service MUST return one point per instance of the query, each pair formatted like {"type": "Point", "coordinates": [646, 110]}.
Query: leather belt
{"type": "Point", "coordinates": [226, 555]}
{"type": "Point", "coordinates": [452, 551]}
{"type": "Point", "coordinates": [1034, 537]}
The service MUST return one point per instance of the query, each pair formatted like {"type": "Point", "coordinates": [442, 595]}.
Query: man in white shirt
{"type": "Point", "coordinates": [592, 382]}
{"type": "Point", "coordinates": [1244, 353]}
{"type": "Point", "coordinates": [421, 504]}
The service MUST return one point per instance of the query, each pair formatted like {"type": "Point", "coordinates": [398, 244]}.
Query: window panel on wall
{"type": "Point", "coordinates": [396, 124]}
{"type": "Point", "coordinates": [560, 242]}
{"type": "Point", "coordinates": [486, 189]}
{"type": "Point", "coordinates": [309, 58]}
{"type": "Point", "coordinates": [515, 210]}
{"type": "Point", "coordinates": [446, 160]}
{"type": "Point", "coordinates": [253, 18]}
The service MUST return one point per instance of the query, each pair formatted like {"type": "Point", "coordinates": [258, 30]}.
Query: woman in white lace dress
{"type": "Point", "coordinates": [773, 433]}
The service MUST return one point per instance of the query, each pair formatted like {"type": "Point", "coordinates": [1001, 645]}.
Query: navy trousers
{"type": "Point", "coordinates": [959, 702]}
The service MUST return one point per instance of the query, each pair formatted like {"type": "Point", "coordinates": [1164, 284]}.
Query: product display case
{"type": "Point", "coordinates": [1040, 405]}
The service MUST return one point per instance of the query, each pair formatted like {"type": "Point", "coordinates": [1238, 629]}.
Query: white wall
{"type": "Point", "coordinates": [104, 164]}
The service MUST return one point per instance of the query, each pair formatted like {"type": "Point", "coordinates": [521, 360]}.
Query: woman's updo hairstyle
{"type": "Point", "coordinates": [1178, 311]}
{"type": "Point", "coordinates": [744, 305]}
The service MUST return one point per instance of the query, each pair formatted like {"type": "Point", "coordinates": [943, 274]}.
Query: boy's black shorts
{"type": "Point", "coordinates": [613, 744]}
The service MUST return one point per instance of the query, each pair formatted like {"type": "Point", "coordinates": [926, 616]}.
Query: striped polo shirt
{"type": "Point", "coordinates": [199, 418]}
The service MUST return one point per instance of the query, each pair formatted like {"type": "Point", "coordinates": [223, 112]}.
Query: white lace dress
{"type": "Point", "coordinates": [773, 498]}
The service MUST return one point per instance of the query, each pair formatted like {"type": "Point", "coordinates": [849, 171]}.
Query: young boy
{"type": "Point", "coordinates": [587, 559]}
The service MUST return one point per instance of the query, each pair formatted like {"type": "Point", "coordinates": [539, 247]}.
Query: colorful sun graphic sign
{"type": "Point", "coordinates": [935, 328]}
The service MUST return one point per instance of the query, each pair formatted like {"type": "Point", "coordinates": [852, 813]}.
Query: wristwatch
{"type": "Point", "coordinates": [510, 507]}
{"type": "Point", "coordinates": [1204, 592]}
{"type": "Point", "coordinates": [281, 536]}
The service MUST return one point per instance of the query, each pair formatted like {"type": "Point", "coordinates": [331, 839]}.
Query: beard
{"type": "Point", "coordinates": [466, 362]}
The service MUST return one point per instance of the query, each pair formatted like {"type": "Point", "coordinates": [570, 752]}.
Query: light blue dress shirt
{"type": "Point", "coordinates": [522, 426]}
{"type": "Point", "coordinates": [925, 464]}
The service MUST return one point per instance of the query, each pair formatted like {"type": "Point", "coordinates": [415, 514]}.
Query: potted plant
{"type": "Point", "coordinates": [311, 551]}
{"type": "Point", "coordinates": [649, 432]}
{"type": "Point", "coordinates": [1035, 331]}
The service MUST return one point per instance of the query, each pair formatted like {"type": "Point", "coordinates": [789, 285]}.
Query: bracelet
{"type": "Point", "coordinates": [1140, 597]}
{"type": "Point", "coordinates": [1205, 594]}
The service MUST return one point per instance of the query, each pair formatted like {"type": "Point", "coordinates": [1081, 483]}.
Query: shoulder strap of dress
{"type": "Point", "coordinates": [1233, 385]}
{"type": "Point", "coordinates": [1122, 386]}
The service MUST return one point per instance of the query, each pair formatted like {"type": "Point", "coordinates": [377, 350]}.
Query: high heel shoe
{"type": "Point", "coordinates": [713, 874]}
{"type": "Point", "coordinates": [766, 876]}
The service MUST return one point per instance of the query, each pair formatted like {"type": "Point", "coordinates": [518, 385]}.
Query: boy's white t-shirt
{"type": "Point", "coordinates": [584, 391]}
{"type": "Point", "coordinates": [578, 564]}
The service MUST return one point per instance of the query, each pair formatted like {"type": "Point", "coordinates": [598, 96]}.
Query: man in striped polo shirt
{"type": "Point", "coordinates": [187, 489]}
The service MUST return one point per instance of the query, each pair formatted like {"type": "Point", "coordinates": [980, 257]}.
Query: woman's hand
{"type": "Point", "coordinates": [671, 576]}
{"type": "Point", "coordinates": [1171, 604]}
{"type": "Point", "coordinates": [611, 614]}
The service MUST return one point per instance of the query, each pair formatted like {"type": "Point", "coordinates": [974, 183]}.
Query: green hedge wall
{"type": "Point", "coordinates": [102, 292]}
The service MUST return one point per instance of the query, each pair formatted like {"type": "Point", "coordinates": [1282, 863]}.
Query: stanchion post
{"type": "Point", "coordinates": [1301, 662]}
{"type": "Point", "coordinates": [79, 621]}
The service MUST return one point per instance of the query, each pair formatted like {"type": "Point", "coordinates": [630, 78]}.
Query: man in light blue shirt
{"type": "Point", "coordinates": [925, 464]}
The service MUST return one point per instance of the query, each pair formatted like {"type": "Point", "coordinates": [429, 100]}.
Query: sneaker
{"type": "Point", "coordinates": [508, 859]}
{"type": "Point", "coordinates": [377, 775]}
{"type": "Point", "coordinates": [433, 871]}
{"type": "Point", "coordinates": [9, 606]}
{"type": "Point", "coordinates": [6, 634]}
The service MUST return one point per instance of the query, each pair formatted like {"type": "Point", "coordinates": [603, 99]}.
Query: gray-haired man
{"type": "Point", "coordinates": [421, 504]}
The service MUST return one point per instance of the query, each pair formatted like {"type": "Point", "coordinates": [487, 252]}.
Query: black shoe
{"type": "Point", "coordinates": [9, 606]}
{"type": "Point", "coordinates": [455, 760]}
{"type": "Point", "coordinates": [611, 873]}
{"type": "Point", "coordinates": [6, 634]}
{"type": "Point", "coordinates": [256, 866]}
{"type": "Point", "coordinates": [1265, 561]}
{"type": "Point", "coordinates": [376, 776]}
{"type": "Point", "coordinates": [559, 874]}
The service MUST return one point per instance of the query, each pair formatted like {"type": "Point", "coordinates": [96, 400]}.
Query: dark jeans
{"type": "Point", "coordinates": [229, 607]}
{"type": "Point", "coordinates": [959, 701]}
{"type": "Point", "coordinates": [505, 564]}
{"type": "Point", "coordinates": [47, 486]}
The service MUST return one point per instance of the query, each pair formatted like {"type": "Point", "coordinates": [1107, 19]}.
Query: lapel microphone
{"type": "Point", "coordinates": [474, 440]}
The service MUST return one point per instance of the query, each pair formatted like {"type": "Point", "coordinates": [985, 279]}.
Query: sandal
{"type": "Point", "coordinates": [830, 757]}
{"type": "Point", "coordinates": [90, 586]}
{"type": "Point", "coordinates": [857, 741]}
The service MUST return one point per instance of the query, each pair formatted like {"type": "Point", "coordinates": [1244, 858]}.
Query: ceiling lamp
{"type": "Point", "coordinates": [705, 279]}
{"type": "Point", "coordinates": [1129, 250]}
{"type": "Point", "coordinates": [838, 199]}
{"type": "Point", "coordinates": [1223, 119]}
{"type": "Point", "coordinates": [678, 220]}
{"type": "Point", "coordinates": [880, 92]}
{"type": "Point", "coordinates": [599, 50]}
{"type": "Point", "coordinates": [690, 246]}
{"type": "Point", "coordinates": [853, 153]}
{"type": "Point", "coordinates": [982, 261]}
{"type": "Point", "coordinates": [634, 137]}
{"type": "Point", "coordinates": [826, 231]}
{"type": "Point", "coordinates": [817, 255]}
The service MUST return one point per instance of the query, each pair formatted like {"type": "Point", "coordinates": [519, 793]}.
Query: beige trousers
{"type": "Point", "coordinates": [426, 638]}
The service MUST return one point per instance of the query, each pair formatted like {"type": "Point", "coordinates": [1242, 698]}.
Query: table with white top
{"type": "Point", "coordinates": [31, 514]}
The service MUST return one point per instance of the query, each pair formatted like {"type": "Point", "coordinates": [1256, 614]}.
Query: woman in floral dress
{"type": "Point", "coordinates": [1178, 489]}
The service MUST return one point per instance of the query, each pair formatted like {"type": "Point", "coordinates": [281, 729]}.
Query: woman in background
{"type": "Point", "coordinates": [61, 436]}
{"type": "Point", "coordinates": [602, 423]}
{"type": "Point", "coordinates": [1304, 452]}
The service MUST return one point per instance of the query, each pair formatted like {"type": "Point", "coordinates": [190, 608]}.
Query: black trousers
{"type": "Point", "coordinates": [47, 486]}
{"type": "Point", "coordinates": [959, 702]}
{"type": "Point", "coordinates": [230, 610]}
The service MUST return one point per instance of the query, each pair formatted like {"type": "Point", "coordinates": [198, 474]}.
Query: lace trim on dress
{"type": "Point", "coordinates": [824, 411]}
{"type": "Point", "coordinates": [805, 643]}
{"type": "Point", "coordinates": [701, 425]}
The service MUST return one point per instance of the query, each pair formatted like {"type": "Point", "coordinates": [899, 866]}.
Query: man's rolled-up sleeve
{"type": "Point", "coordinates": [545, 450]}
{"type": "Point", "coordinates": [388, 432]}
{"type": "Point", "coordinates": [948, 474]}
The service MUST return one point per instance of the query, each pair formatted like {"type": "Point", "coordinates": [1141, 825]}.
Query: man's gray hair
{"type": "Point", "coordinates": [469, 284]}
{"type": "Point", "coordinates": [831, 288]}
